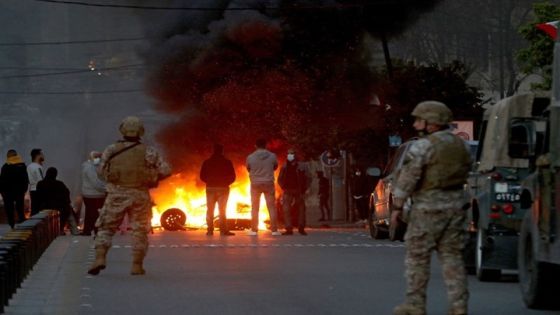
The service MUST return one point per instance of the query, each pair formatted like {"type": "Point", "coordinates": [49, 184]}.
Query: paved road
{"type": "Point", "coordinates": [328, 272]}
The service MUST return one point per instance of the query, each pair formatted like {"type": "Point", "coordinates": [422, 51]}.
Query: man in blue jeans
{"type": "Point", "coordinates": [261, 165]}
{"type": "Point", "coordinates": [218, 173]}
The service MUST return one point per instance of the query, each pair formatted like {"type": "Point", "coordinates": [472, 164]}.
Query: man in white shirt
{"type": "Point", "coordinates": [35, 173]}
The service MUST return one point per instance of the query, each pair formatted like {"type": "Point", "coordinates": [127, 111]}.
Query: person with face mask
{"type": "Point", "coordinates": [294, 181]}
{"type": "Point", "coordinates": [35, 173]}
{"type": "Point", "coordinates": [93, 192]}
{"type": "Point", "coordinates": [433, 175]}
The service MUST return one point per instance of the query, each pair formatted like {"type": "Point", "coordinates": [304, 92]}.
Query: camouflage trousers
{"type": "Point", "coordinates": [444, 232]}
{"type": "Point", "coordinates": [138, 205]}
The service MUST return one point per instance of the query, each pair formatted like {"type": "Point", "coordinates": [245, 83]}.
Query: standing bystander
{"type": "Point", "coordinates": [294, 181]}
{"type": "Point", "coordinates": [13, 185]}
{"type": "Point", "coordinates": [93, 192]}
{"type": "Point", "coordinates": [360, 193]}
{"type": "Point", "coordinates": [261, 165]}
{"type": "Point", "coordinates": [324, 194]}
{"type": "Point", "coordinates": [36, 174]}
{"type": "Point", "coordinates": [218, 173]}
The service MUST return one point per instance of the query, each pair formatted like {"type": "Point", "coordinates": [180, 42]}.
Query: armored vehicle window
{"type": "Point", "coordinates": [539, 105]}
{"type": "Point", "coordinates": [519, 140]}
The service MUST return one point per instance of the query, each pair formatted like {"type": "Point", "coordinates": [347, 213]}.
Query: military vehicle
{"type": "Point", "coordinates": [495, 186]}
{"type": "Point", "coordinates": [539, 243]}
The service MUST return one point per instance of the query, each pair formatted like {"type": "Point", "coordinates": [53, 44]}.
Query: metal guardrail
{"type": "Point", "coordinates": [21, 248]}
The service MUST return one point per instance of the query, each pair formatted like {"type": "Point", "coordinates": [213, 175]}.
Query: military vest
{"type": "Point", "coordinates": [449, 166]}
{"type": "Point", "coordinates": [128, 168]}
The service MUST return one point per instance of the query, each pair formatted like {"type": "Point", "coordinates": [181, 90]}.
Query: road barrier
{"type": "Point", "coordinates": [22, 247]}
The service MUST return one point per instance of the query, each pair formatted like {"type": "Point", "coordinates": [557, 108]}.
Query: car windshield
{"type": "Point", "coordinates": [393, 162]}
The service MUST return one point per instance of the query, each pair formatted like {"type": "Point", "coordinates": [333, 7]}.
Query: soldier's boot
{"type": "Point", "coordinates": [458, 310]}
{"type": "Point", "coordinates": [100, 261]}
{"type": "Point", "coordinates": [409, 309]}
{"type": "Point", "coordinates": [137, 264]}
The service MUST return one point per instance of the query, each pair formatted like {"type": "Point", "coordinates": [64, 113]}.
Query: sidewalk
{"type": "Point", "coordinates": [4, 228]}
{"type": "Point", "coordinates": [341, 224]}
{"type": "Point", "coordinates": [54, 285]}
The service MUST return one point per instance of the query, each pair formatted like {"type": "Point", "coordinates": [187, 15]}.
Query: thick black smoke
{"type": "Point", "coordinates": [295, 72]}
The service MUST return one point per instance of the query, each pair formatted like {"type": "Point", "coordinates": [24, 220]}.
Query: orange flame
{"type": "Point", "coordinates": [186, 192]}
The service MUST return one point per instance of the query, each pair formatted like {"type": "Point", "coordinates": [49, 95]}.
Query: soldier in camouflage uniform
{"type": "Point", "coordinates": [433, 176]}
{"type": "Point", "coordinates": [130, 169]}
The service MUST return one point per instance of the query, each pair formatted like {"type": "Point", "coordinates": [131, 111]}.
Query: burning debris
{"type": "Point", "coordinates": [182, 192]}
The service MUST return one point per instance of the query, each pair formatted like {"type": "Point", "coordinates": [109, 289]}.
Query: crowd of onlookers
{"type": "Point", "coordinates": [48, 192]}
{"type": "Point", "coordinates": [294, 180]}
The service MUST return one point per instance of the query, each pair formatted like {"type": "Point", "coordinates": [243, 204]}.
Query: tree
{"type": "Point", "coordinates": [482, 34]}
{"type": "Point", "coordinates": [537, 58]}
{"type": "Point", "coordinates": [410, 84]}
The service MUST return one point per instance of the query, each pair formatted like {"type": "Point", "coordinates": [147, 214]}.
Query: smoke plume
{"type": "Point", "coordinates": [295, 72]}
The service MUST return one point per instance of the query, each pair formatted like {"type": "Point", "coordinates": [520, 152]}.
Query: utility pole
{"type": "Point", "coordinates": [387, 55]}
{"type": "Point", "coordinates": [501, 46]}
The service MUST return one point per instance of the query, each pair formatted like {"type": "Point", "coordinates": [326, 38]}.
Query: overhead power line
{"type": "Point", "coordinates": [255, 8]}
{"type": "Point", "coordinates": [74, 42]}
{"type": "Point", "coordinates": [69, 72]}
{"type": "Point", "coordinates": [69, 92]}
{"type": "Point", "coordinates": [40, 68]}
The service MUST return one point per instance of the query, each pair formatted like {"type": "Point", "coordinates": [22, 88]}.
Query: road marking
{"type": "Point", "coordinates": [289, 245]}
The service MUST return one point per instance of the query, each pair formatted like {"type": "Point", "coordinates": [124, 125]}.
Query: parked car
{"type": "Point", "coordinates": [379, 216]}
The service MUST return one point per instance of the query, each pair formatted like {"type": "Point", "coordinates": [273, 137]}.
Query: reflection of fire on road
{"type": "Point", "coordinates": [184, 192]}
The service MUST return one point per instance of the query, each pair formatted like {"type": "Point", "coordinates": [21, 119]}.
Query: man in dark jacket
{"type": "Point", "coordinates": [361, 190]}
{"type": "Point", "coordinates": [324, 193]}
{"type": "Point", "coordinates": [218, 173]}
{"type": "Point", "coordinates": [294, 181]}
{"type": "Point", "coordinates": [53, 194]}
{"type": "Point", "coordinates": [13, 185]}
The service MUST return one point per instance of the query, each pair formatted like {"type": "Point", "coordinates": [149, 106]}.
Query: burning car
{"type": "Point", "coordinates": [180, 202]}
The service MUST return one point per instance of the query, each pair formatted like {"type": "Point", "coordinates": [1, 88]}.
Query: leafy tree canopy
{"type": "Point", "coordinates": [413, 83]}
{"type": "Point", "coordinates": [537, 58]}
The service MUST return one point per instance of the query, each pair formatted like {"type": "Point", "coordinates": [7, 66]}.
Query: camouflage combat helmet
{"type": "Point", "coordinates": [433, 112]}
{"type": "Point", "coordinates": [132, 126]}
